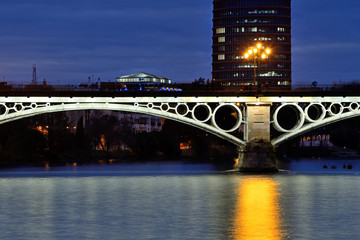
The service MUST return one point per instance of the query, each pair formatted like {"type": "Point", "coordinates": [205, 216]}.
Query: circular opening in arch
{"type": "Point", "coordinates": [288, 117]}
{"type": "Point", "coordinates": [354, 106]}
{"type": "Point", "coordinates": [165, 107]}
{"type": "Point", "coordinates": [150, 105]}
{"type": "Point", "coordinates": [18, 107]}
{"type": "Point", "coordinates": [315, 112]}
{"type": "Point", "coordinates": [182, 109]}
{"type": "Point", "coordinates": [33, 105]}
{"type": "Point", "coordinates": [227, 117]}
{"type": "Point", "coordinates": [335, 109]}
{"type": "Point", "coordinates": [3, 109]}
{"type": "Point", "coordinates": [201, 112]}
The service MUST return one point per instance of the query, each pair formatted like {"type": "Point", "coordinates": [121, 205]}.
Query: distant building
{"type": "Point", "coordinates": [143, 78]}
{"type": "Point", "coordinates": [137, 122]}
{"type": "Point", "coordinates": [239, 25]}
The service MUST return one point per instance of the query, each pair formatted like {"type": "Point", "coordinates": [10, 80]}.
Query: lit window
{"type": "Point", "coordinates": [221, 39]}
{"type": "Point", "coordinates": [220, 30]}
{"type": "Point", "coordinates": [281, 29]}
{"type": "Point", "coordinates": [221, 57]}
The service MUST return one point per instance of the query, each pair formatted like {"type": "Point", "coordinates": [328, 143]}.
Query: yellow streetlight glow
{"type": "Point", "coordinates": [257, 52]}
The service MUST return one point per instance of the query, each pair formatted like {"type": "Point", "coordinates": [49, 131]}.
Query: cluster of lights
{"type": "Point", "coordinates": [256, 50]}
{"type": "Point", "coordinates": [170, 89]}
{"type": "Point", "coordinates": [259, 50]}
{"type": "Point", "coordinates": [160, 89]}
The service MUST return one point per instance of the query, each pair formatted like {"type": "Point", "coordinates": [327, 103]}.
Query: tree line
{"type": "Point", "coordinates": [49, 138]}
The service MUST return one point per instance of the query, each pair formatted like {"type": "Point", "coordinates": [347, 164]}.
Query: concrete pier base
{"type": "Point", "coordinates": [258, 155]}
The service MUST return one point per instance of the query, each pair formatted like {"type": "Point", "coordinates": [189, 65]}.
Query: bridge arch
{"type": "Point", "coordinates": [333, 118]}
{"type": "Point", "coordinates": [34, 110]}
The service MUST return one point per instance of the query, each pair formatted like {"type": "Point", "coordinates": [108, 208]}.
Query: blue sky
{"type": "Point", "coordinates": [71, 40]}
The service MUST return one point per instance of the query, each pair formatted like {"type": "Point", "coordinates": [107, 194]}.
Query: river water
{"type": "Point", "coordinates": [177, 200]}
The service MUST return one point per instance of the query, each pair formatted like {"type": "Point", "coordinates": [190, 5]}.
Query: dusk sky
{"type": "Point", "coordinates": [71, 40]}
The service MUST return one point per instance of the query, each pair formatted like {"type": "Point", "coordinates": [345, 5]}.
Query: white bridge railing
{"type": "Point", "coordinates": [225, 117]}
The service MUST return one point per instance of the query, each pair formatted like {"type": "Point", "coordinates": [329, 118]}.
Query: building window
{"type": "Point", "coordinates": [283, 83]}
{"type": "Point", "coordinates": [221, 39]}
{"type": "Point", "coordinates": [220, 30]}
{"type": "Point", "coordinates": [221, 48]}
{"type": "Point", "coordinates": [221, 57]}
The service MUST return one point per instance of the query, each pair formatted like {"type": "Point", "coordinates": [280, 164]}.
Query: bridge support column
{"type": "Point", "coordinates": [258, 155]}
{"type": "Point", "coordinates": [258, 121]}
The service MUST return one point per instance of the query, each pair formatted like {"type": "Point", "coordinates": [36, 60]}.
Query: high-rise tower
{"type": "Point", "coordinates": [241, 25]}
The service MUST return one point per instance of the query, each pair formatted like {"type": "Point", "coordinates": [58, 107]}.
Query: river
{"type": "Point", "coordinates": [180, 200]}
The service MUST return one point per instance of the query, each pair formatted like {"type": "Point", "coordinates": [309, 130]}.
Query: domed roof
{"type": "Point", "coordinates": [143, 78]}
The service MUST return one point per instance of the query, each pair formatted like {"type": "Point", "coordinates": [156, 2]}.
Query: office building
{"type": "Point", "coordinates": [256, 25]}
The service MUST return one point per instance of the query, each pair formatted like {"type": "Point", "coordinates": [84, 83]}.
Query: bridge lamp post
{"type": "Point", "coordinates": [258, 52]}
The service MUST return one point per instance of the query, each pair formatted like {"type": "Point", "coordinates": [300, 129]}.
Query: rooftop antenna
{"type": "Point", "coordinates": [34, 77]}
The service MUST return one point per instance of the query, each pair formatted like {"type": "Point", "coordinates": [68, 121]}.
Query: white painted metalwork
{"type": "Point", "coordinates": [325, 110]}
{"type": "Point", "coordinates": [13, 108]}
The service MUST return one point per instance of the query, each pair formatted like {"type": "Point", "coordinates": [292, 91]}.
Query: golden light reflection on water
{"type": "Point", "coordinates": [257, 210]}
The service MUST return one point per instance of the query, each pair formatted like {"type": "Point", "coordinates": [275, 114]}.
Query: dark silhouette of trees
{"type": "Point", "coordinates": [346, 133]}
{"type": "Point", "coordinates": [203, 144]}
{"type": "Point", "coordinates": [20, 144]}
{"type": "Point", "coordinates": [82, 141]}
{"type": "Point", "coordinates": [199, 81]}
{"type": "Point", "coordinates": [155, 144]}
{"type": "Point", "coordinates": [108, 131]}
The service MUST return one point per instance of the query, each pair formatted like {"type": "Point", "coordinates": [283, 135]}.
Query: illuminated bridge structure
{"type": "Point", "coordinates": [236, 119]}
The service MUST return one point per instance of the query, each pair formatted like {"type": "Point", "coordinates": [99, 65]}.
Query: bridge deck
{"type": "Point", "coordinates": [195, 93]}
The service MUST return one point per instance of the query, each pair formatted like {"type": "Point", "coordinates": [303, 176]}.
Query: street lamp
{"type": "Point", "coordinates": [260, 52]}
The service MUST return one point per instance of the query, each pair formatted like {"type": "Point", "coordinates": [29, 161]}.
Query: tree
{"type": "Point", "coordinates": [21, 144]}
{"type": "Point", "coordinates": [82, 141]}
{"type": "Point", "coordinates": [106, 131]}
{"type": "Point", "coordinates": [199, 81]}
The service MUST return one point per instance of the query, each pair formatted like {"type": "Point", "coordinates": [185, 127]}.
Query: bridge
{"type": "Point", "coordinates": [273, 117]}
{"type": "Point", "coordinates": [235, 117]}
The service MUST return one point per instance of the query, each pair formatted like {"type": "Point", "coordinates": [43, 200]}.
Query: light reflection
{"type": "Point", "coordinates": [257, 211]}
{"type": "Point", "coordinates": [47, 166]}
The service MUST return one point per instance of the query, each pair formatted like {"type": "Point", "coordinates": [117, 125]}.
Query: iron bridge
{"type": "Point", "coordinates": [236, 119]}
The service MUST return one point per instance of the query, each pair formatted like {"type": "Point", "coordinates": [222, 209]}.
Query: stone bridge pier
{"type": "Point", "coordinates": [258, 154]}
